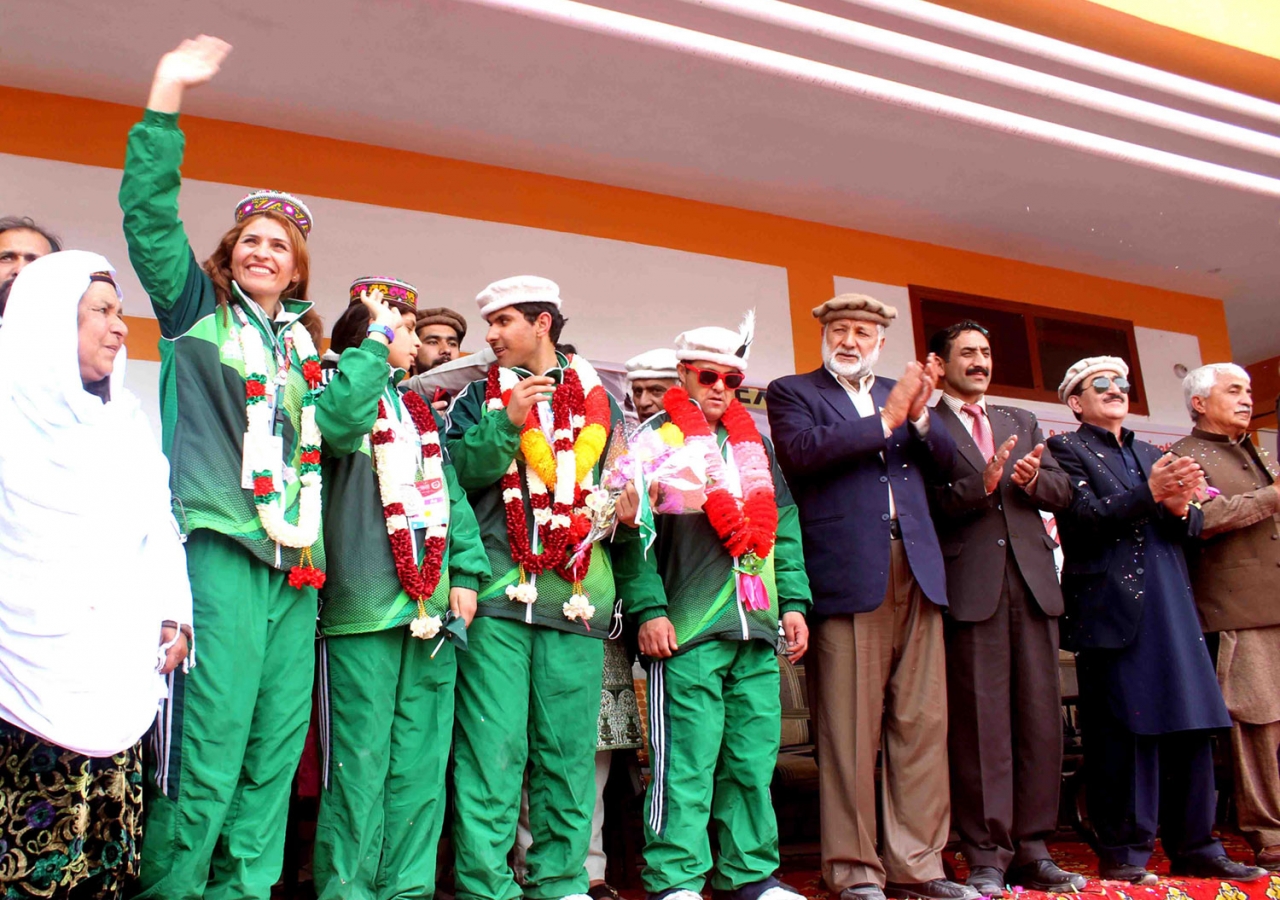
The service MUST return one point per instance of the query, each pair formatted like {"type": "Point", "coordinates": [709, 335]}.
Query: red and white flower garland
{"type": "Point", "coordinates": [267, 499]}
{"type": "Point", "coordinates": [394, 471]}
{"type": "Point", "coordinates": [747, 525]}
{"type": "Point", "coordinates": [580, 428]}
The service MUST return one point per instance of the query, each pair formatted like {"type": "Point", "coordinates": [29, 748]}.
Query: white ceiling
{"type": "Point", "coordinates": [448, 78]}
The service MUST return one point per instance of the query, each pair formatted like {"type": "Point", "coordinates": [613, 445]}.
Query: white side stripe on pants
{"type": "Point", "coordinates": [657, 745]}
{"type": "Point", "coordinates": [323, 713]}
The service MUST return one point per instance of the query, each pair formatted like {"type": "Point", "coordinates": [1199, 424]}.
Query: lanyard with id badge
{"type": "Point", "coordinates": [425, 493]}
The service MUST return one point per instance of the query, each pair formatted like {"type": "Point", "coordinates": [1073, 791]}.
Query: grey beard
{"type": "Point", "coordinates": [852, 372]}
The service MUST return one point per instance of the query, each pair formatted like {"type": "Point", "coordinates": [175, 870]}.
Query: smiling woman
{"type": "Point", "coordinates": [243, 416]}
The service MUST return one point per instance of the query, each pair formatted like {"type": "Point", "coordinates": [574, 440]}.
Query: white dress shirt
{"type": "Point", "coordinates": [865, 405]}
{"type": "Point", "coordinates": [965, 419]}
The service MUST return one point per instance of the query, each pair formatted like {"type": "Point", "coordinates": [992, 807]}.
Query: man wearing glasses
{"type": "Point", "coordinates": [1003, 701]}
{"type": "Point", "coordinates": [708, 598]}
{"type": "Point", "coordinates": [857, 450]}
{"type": "Point", "coordinates": [1149, 697]}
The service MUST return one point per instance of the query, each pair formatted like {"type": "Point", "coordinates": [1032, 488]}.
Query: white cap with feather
{"type": "Point", "coordinates": [719, 345]}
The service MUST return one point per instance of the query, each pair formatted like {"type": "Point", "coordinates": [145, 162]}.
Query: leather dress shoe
{"type": "Point", "coordinates": [1222, 868]}
{"type": "Point", "coordinates": [986, 880]}
{"type": "Point", "coordinates": [1136, 875]}
{"type": "Point", "coordinates": [1269, 858]}
{"type": "Point", "coordinates": [1044, 875]}
{"type": "Point", "coordinates": [937, 889]}
{"type": "Point", "coordinates": [862, 892]}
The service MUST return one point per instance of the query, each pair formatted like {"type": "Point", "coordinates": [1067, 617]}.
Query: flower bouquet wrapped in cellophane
{"type": "Point", "coordinates": [670, 476]}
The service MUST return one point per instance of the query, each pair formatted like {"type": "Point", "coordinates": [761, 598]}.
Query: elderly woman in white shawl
{"type": "Point", "coordinates": [93, 586]}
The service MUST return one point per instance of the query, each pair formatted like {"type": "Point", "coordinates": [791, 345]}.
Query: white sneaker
{"type": "Point", "coordinates": [682, 895]}
{"type": "Point", "coordinates": [778, 892]}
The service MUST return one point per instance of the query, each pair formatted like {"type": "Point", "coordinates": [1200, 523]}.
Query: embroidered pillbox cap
{"type": "Point", "coordinates": [652, 364]}
{"type": "Point", "coordinates": [855, 306]}
{"type": "Point", "coordinates": [516, 290]}
{"type": "Point", "coordinates": [718, 345]}
{"type": "Point", "coordinates": [394, 291]}
{"type": "Point", "coordinates": [1087, 368]}
{"type": "Point", "coordinates": [286, 205]}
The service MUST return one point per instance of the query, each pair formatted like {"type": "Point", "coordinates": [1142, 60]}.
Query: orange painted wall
{"type": "Point", "coordinates": [36, 125]}
{"type": "Point", "coordinates": [1266, 387]}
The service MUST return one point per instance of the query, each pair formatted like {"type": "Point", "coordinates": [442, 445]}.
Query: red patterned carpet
{"type": "Point", "coordinates": [1077, 857]}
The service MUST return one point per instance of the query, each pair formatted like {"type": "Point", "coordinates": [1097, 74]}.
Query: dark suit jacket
{"type": "Point", "coordinates": [1103, 538]}
{"type": "Point", "coordinates": [839, 466]}
{"type": "Point", "coordinates": [977, 530]}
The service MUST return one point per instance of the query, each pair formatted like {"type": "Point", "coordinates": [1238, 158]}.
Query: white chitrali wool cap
{"type": "Point", "coordinates": [652, 364]}
{"type": "Point", "coordinates": [518, 289]}
{"type": "Point", "coordinates": [718, 345]}
{"type": "Point", "coordinates": [1087, 368]}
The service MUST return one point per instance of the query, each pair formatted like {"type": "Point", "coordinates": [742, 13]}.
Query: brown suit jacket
{"type": "Point", "coordinates": [1235, 567]}
{"type": "Point", "coordinates": [975, 528]}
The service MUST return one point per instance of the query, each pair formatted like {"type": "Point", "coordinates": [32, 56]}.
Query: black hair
{"type": "Point", "coordinates": [942, 341]}
{"type": "Point", "coordinates": [351, 328]}
{"type": "Point", "coordinates": [567, 349]}
{"type": "Point", "coordinates": [4, 292]}
{"type": "Point", "coordinates": [25, 223]}
{"type": "Point", "coordinates": [531, 311]}
{"type": "Point", "coordinates": [353, 325]}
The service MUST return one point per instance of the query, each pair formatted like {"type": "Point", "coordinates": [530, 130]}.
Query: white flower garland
{"type": "Point", "coordinates": [395, 466]}
{"type": "Point", "coordinates": [259, 416]}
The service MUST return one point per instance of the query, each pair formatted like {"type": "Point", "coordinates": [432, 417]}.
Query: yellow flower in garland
{"type": "Point", "coordinates": [587, 449]}
{"type": "Point", "coordinates": [671, 435]}
{"type": "Point", "coordinates": [591, 408]}
{"type": "Point", "coordinates": [539, 455]}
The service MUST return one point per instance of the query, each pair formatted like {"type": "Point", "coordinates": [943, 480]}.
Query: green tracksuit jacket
{"type": "Point", "coordinates": [201, 370]}
{"type": "Point", "coordinates": [362, 591]}
{"type": "Point", "coordinates": [688, 577]}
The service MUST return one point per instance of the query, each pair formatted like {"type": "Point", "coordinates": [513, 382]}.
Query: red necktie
{"type": "Point", "coordinates": [981, 431]}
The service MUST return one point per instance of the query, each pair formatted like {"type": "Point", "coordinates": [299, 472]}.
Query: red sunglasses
{"type": "Point", "coordinates": [708, 377]}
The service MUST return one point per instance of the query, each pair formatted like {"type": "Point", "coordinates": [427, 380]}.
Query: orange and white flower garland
{"type": "Point", "coordinates": [259, 413]}
{"type": "Point", "coordinates": [580, 429]}
{"type": "Point", "coordinates": [394, 470]}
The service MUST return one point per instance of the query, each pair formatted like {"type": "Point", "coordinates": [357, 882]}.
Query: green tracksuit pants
{"type": "Point", "coordinates": [234, 731]}
{"type": "Point", "coordinates": [386, 717]}
{"type": "Point", "coordinates": [715, 721]}
{"type": "Point", "coordinates": [526, 695]}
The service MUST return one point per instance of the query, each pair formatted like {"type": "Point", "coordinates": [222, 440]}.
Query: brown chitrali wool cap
{"type": "Point", "coordinates": [441, 315]}
{"type": "Point", "coordinates": [855, 306]}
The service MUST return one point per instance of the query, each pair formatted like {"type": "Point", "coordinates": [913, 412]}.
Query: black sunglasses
{"type": "Point", "coordinates": [708, 377]}
{"type": "Point", "coordinates": [1102, 384]}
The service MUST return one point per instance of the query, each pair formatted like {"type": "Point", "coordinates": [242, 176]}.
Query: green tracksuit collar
{"type": "Point", "coordinates": [392, 391]}
{"type": "Point", "coordinates": [290, 311]}
{"type": "Point", "coordinates": [556, 373]}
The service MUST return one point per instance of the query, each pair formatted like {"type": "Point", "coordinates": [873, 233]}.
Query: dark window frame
{"type": "Point", "coordinates": [1029, 312]}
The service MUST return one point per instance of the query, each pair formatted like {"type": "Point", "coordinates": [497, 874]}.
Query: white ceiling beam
{"type": "Point", "coordinates": [810, 72]}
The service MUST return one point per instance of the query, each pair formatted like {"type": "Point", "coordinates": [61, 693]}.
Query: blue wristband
{"type": "Point", "coordinates": [383, 330]}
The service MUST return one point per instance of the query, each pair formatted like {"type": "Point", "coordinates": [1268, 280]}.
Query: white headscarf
{"type": "Point", "coordinates": [90, 559]}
